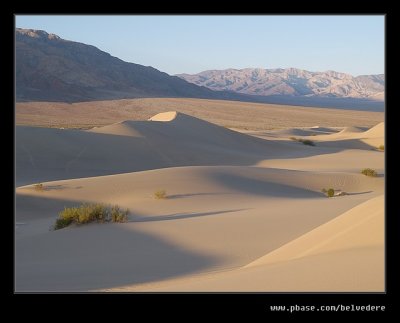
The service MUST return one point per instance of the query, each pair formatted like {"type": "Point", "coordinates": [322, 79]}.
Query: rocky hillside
{"type": "Point", "coordinates": [291, 82]}
{"type": "Point", "coordinates": [49, 68]}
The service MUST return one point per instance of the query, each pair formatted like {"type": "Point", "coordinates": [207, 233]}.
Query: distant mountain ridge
{"type": "Point", "coordinates": [291, 82]}
{"type": "Point", "coordinates": [51, 68]}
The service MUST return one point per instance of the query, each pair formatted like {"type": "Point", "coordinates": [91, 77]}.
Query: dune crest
{"type": "Point", "coordinates": [376, 131]}
{"type": "Point", "coordinates": [178, 140]}
{"type": "Point", "coordinates": [344, 254]}
{"type": "Point", "coordinates": [350, 130]}
{"type": "Point", "coordinates": [164, 116]}
{"type": "Point", "coordinates": [360, 227]}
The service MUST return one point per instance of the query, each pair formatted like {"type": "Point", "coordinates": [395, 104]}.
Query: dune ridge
{"type": "Point", "coordinates": [361, 226]}
{"type": "Point", "coordinates": [344, 254]}
{"type": "Point", "coordinates": [134, 146]}
{"type": "Point", "coordinates": [165, 116]}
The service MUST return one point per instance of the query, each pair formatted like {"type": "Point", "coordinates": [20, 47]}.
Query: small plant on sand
{"type": "Point", "coordinates": [61, 223]}
{"type": "Point", "coordinates": [118, 215]}
{"type": "Point", "coordinates": [160, 194]}
{"type": "Point", "coordinates": [38, 187]}
{"type": "Point", "coordinates": [330, 192]}
{"type": "Point", "coordinates": [381, 147]}
{"type": "Point", "coordinates": [307, 142]}
{"type": "Point", "coordinates": [87, 213]}
{"type": "Point", "coordinates": [304, 141]}
{"type": "Point", "coordinates": [369, 172]}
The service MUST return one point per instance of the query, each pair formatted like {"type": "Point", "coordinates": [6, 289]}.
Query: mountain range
{"type": "Point", "coordinates": [49, 68]}
{"type": "Point", "coordinates": [292, 82]}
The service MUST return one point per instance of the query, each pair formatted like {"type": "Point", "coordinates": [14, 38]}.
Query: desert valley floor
{"type": "Point", "coordinates": [244, 210]}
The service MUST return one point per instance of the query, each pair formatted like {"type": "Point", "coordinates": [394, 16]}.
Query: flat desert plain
{"type": "Point", "coordinates": [244, 210]}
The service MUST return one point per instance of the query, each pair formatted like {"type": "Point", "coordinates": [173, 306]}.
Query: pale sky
{"type": "Point", "coordinates": [191, 44]}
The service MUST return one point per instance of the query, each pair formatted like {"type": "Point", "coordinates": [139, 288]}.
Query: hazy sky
{"type": "Point", "coordinates": [191, 44]}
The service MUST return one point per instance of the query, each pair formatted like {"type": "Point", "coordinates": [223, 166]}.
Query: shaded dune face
{"type": "Point", "coordinates": [166, 140]}
{"type": "Point", "coordinates": [343, 254]}
{"type": "Point", "coordinates": [346, 138]}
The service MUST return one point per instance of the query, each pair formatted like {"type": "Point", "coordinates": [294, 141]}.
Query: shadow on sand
{"type": "Point", "coordinates": [179, 216]}
{"type": "Point", "coordinates": [180, 196]}
{"type": "Point", "coordinates": [98, 256]}
{"type": "Point", "coordinates": [116, 154]}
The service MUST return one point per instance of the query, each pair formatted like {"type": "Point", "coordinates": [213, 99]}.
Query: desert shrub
{"type": "Point", "coordinates": [62, 223]}
{"type": "Point", "coordinates": [69, 214]}
{"type": "Point", "coordinates": [304, 141]}
{"type": "Point", "coordinates": [330, 192]}
{"type": "Point", "coordinates": [118, 215]}
{"type": "Point", "coordinates": [160, 194]}
{"type": "Point", "coordinates": [98, 212]}
{"type": "Point", "coordinates": [307, 142]}
{"type": "Point", "coordinates": [85, 216]}
{"type": "Point", "coordinates": [381, 147]}
{"type": "Point", "coordinates": [369, 172]}
{"type": "Point", "coordinates": [38, 187]}
{"type": "Point", "coordinates": [87, 213]}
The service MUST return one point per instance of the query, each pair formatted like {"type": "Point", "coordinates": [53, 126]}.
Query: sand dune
{"type": "Point", "coordinates": [341, 160]}
{"type": "Point", "coordinates": [45, 154]}
{"type": "Point", "coordinates": [376, 131]}
{"type": "Point", "coordinates": [344, 254]}
{"type": "Point", "coordinates": [354, 137]}
{"type": "Point", "coordinates": [360, 227]}
{"type": "Point", "coordinates": [350, 130]}
{"type": "Point", "coordinates": [312, 131]}
{"type": "Point", "coordinates": [347, 138]}
{"type": "Point", "coordinates": [242, 213]}
{"type": "Point", "coordinates": [165, 116]}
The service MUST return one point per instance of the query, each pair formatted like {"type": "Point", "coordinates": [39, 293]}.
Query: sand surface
{"type": "Point", "coordinates": [244, 210]}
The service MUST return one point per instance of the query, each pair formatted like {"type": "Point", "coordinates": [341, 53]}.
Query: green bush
{"type": "Point", "coordinates": [369, 172]}
{"type": "Point", "coordinates": [160, 194]}
{"type": "Point", "coordinates": [330, 192]}
{"type": "Point", "coordinates": [62, 223]}
{"type": "Point", "coordinates": [381, 147]}
{"type": "Point", "coordinates": [87, 213]}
